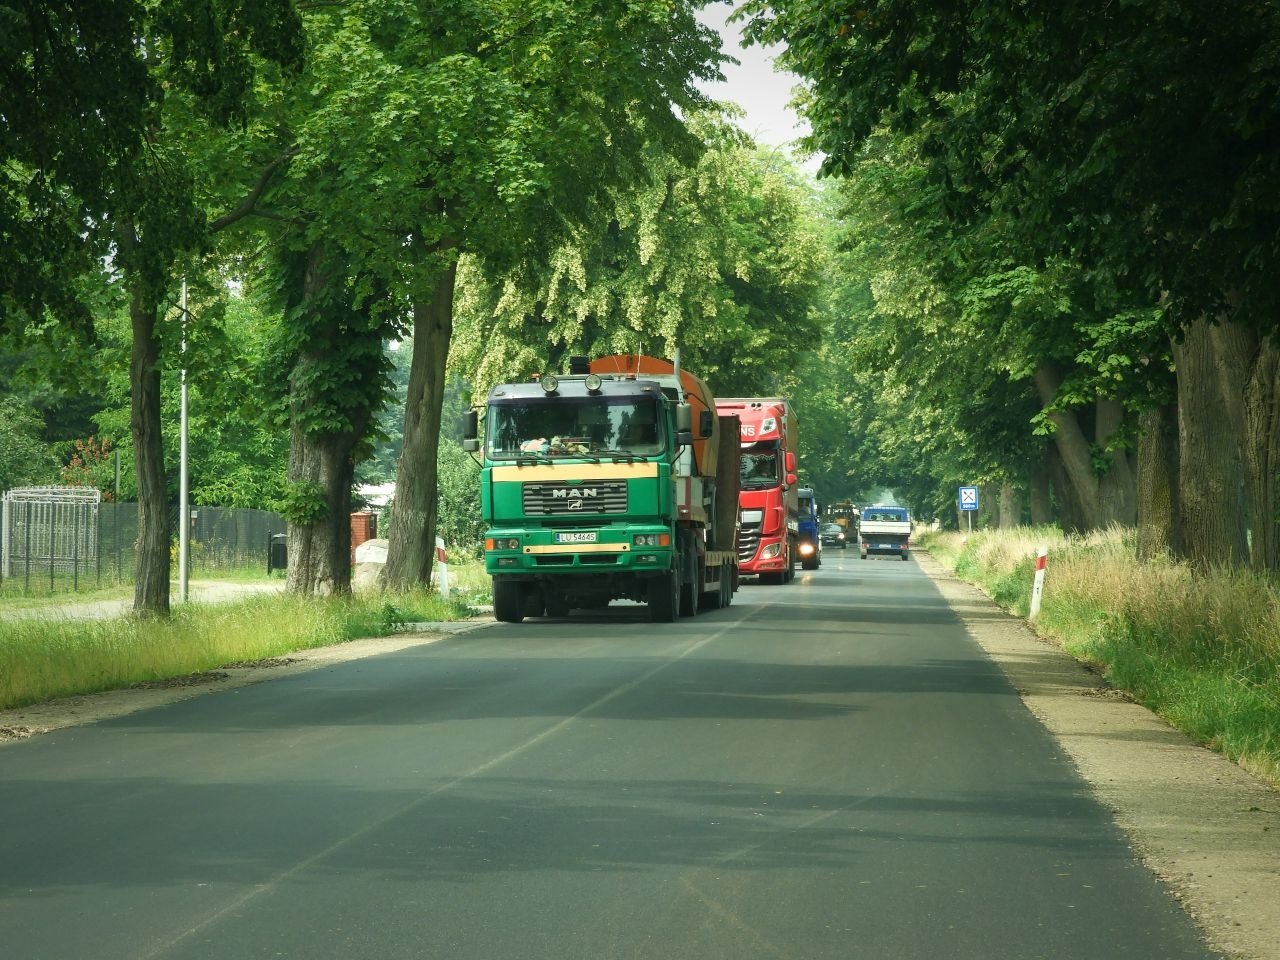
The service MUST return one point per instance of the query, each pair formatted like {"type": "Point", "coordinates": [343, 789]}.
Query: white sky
{"type": "Point", "coordinates": [753, 85]}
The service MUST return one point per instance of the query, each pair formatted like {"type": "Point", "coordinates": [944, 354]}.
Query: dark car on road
{"type": "Point", "coordinates": [833, 535]}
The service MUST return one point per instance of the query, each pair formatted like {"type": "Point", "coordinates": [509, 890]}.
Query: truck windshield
{"type": "Point", "coordinates": [885, 514]}
{"type": "Point", "coordinates": [573, 426]}
{"type": "Point", "coordinates": [760, 466]}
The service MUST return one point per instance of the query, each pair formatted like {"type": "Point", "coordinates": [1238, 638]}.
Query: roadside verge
{"type": "Point", "coordinates": [23, 722]}
{"type": "Point", "coordinates": [1207, 828]}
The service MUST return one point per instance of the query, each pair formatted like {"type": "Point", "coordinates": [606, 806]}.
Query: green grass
{"type": "Point", "coordinates": [14, 595]}
{"type": "Point", "coordinates": [1201, 649]}
{"type": "Point", "coordinates": [43, 659]}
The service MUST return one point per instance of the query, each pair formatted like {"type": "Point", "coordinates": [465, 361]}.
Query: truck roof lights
{"type": "Point", "coordinates": [550, 382]}
{"type": "Point", "coordinates": [593, 383]}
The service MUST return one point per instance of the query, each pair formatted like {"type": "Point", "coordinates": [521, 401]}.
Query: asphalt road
{"type": "Point", "coordinates": [828, 769]}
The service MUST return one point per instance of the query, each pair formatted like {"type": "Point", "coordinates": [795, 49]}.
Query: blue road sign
{"type": "Point", "coordinates": [968, 498]}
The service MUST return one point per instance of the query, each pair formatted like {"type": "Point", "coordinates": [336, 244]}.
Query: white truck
{"type": "Point", "coordinates": [885, 529]}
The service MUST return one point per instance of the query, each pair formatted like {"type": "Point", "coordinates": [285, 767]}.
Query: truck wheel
{"type": "Point", "coordinates": [905, 555]}
{"type": "Point", "coordinates": [508, 601]}
{"type": "Point", "coordinates": [691, 589]}
{"type": "Point", "coordinates": [664, 597]}
{"type": "Point", "coordinates": [713, 599]}
{"type": "Point", "coordinates": [812, 562]}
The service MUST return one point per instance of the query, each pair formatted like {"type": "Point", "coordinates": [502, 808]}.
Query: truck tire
{"type": "Point", "coordinates": [906, 555]}
{"type": "Point", "coordinates": [812, 562]}
{"type": "Point", "coordinates": [690, 583]}
{"type": "Point", "coordinates": [664, 597]}
{"type": "Point", "coordinates": [714, 599]}
{"type": "Point", "coordinates": [508, 601]}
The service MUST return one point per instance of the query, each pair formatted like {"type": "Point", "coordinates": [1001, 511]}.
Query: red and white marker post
{"type": "Point", "coordinates": [442, 565]}
{"type": "Point", "coordinates": [1037, 588]}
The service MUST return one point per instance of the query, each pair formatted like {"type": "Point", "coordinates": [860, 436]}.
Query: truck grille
{"type": "Point", "coordinates": [573, 499]}
{"type": "Point", "coordinates": [748, 544]}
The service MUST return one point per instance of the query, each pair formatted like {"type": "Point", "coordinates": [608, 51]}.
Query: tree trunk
{"type": "Point", "coordinates": [987, 515]}
{"type": "Point", "coordinates": [1010, 506]}
{"type": "Point", "coordinates": [151, 589]}
{"type": "Point", "coordinates": [1074, 458]}
{"type": "Point", "coordinates": [1248, 368]}
{"type": "Point", "coordinates": [320, 551]}
{"type": "Point", "coordinates": [1041, 498]}
{"type": "Point", "coordinates": [321, 466]}
{"type": "Point", "coordinates": [1117, 487]}
{"type": "Point", "coordinates": [1158, 533]}
{"type": "Point", "coordinates": [1209, 471]}
{"type": "Point", "coordinates": [411, 546]}
{"type": "Point", "coordinates": [1071, 513]}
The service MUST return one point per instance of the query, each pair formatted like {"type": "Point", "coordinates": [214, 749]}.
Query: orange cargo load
{"type": "Point", "coordinates": [697, 394]}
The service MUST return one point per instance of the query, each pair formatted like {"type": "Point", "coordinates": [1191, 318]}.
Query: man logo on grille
{"type": "Point", "coordinates": [574, 493]}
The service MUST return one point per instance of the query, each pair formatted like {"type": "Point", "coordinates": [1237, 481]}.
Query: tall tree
{"type": "Point", "coordinates": [85, 97]}
{"type": "Point", "coordinates": [1133, 138]}
{"type": "Point", "coordinates": [720, 259]}
{"type": "Point", "coordinates": [519, 115]}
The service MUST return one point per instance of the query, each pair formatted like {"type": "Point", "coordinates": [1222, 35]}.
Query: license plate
{"type": "Point", "coordinates": [583, 537]}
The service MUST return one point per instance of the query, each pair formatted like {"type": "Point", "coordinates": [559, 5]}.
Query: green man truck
{"type": "Point", "coordinates": [616, 481]}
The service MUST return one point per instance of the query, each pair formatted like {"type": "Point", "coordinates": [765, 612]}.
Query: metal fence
{"type": "Point", "coordinates": [224, 538]}
{"type": "Point", "coordinates": [49, 532]}
{"type": "Point", "coordinates": [66, 538]}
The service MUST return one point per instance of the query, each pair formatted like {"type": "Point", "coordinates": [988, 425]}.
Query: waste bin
{"type": "Point", "coordinates": [277, 552]}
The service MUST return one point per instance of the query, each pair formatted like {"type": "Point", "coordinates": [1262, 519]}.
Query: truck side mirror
{"type": "Point", "coordinates": [790, 463]}
{"type": "Point", "coordinates": [706, 423]}
{"type": "Point", "coordinates": [684, 425]}
{"type": "Point", "coordinates": [470, 431]}
{"type": "Point", "coordinates": [684, 418]}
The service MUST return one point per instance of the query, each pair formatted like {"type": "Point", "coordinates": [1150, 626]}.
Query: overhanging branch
{"type": "Point", "coordinates": [249, 203]}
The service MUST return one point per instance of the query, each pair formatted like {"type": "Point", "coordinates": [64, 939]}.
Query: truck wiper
{"type": "Point", "coordinates": [526, 459]}
{"type": "Point", "coordinates": [621, 456]}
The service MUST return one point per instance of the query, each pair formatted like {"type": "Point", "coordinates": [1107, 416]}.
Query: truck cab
{"type": "Point", "coordinates": [769, 540]}
{"type": "Point", "coordinates": [601, 485]}
{"type": "Point", "coordinates": [885, 530]}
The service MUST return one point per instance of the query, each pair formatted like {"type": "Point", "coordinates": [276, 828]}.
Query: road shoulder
{"type": "Point", "coordinates": [1207, 828]}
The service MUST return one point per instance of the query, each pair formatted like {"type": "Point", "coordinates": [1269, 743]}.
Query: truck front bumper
{"type": "Point", "coordinates": [634, 550]}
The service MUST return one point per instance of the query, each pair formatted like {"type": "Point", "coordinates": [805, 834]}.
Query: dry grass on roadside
{"type": "Point", "coordinates": [1202, 649]}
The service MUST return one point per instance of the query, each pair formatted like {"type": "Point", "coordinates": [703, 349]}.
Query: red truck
{"type": "Point", "coordinates": [768, 539]}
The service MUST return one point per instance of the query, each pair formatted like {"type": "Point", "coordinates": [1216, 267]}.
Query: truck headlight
{"type": "Point", "coordinates": [502, 543]}
{"type": "Point", "coordinates": [771, 551]}
{"type": "Point", "coordinates": [652, 540]}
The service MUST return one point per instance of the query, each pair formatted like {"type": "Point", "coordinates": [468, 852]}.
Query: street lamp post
{"type": "Point", "coordinates": [184, 504]}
